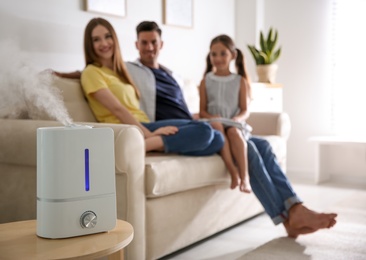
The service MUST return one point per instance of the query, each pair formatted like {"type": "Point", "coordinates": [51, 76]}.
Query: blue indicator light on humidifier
{"type": "Point", "coordinates": [87, 180]}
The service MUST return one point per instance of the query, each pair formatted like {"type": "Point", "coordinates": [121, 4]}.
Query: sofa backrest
{"type": "Point", "coordinates": [74, 99]}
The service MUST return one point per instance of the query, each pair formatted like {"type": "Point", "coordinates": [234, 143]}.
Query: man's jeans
{"type": "Point", "coordinates": [193, 137]}
{"type": "Point", "coordinates": [268, 181]}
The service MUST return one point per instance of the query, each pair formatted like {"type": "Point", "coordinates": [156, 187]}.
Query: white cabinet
{"type": "Point", "coordinates": [266, 97]}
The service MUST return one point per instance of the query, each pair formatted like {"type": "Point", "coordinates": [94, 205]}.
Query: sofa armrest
{"type": "Point", "coordinates": [130, 182]}
{"type": "Point", "coordinates": [270, 123]}
{"type": "Point", "coordinates": [19, 148]}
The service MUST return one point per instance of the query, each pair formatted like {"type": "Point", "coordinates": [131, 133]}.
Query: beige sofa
{"type": "Point", "coordinates": [172, 201]}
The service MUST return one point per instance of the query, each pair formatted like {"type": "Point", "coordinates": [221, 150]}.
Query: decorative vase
{"type": "Point", "coordinates": [267, 73]}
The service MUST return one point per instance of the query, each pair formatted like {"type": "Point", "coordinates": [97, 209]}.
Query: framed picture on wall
{"type": "Point", "coordinates": [109, 7]}
{"type": "Point", "coordinates": [178, 13]}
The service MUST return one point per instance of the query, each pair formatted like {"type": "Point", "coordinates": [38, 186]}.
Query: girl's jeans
{"type": "Point", "coordinates": [268, 181]}
{"type": "Point", "coordinates": [193, 137]}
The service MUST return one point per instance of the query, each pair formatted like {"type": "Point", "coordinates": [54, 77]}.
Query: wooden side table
{"type": "Point", "coordinates": [18, 240]}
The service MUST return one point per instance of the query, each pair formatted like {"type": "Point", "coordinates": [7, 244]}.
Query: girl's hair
{"type": "Point", "coordinates": [91, 57]}
{"type": "Point", "coordinates": [239, 61]}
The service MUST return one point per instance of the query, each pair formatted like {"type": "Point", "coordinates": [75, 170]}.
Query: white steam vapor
{"type": "Point", "coordinates": [26, 92]}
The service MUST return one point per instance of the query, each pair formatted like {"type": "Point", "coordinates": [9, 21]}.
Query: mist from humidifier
{"type": "Point", "coordinates": [51, 100]}
{"type": "Point", "coordinates": [24, 91]}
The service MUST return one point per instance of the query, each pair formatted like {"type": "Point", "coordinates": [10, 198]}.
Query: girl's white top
{"type": "Point", "coordinates": [223, 99]}
{"type": "Point", "coordinates": [223, 94]}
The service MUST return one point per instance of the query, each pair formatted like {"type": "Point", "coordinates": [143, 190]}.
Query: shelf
{"type": "Point", "coordinates": [267, 85]}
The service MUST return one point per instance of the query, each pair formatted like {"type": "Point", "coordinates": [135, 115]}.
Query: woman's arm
{"type": "Point", "coordinates": [109, 101]}
{"type": "Point", "coordinates": [203, 102]}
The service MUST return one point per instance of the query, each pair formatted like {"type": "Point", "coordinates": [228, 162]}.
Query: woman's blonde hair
{"type": "Point", "coordinates": [91, 57]}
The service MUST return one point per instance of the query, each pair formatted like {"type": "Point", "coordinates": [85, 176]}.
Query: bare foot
{"type": "Point", "coordinates": [295, 232]}
{"type": "Point", "coordinates": [332, 223]}
{"type": "Point", "coordinates": [234, 182]}
{"type": "Point", "coordinates": [300, 217]}
{"type": "Point", "coordinates": [245, 186]}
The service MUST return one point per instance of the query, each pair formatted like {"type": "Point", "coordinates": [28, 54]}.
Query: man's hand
{"type": "Point", "coordinates": [68, 75]}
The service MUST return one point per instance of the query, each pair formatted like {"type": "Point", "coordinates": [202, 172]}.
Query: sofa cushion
{"type": "Point", "coordinates": [74, 100]}
{"type": "Point", "coordinates": [167, 174]}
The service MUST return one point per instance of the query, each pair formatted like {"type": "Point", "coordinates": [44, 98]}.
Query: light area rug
{"type": "Point", "coordinates": [345, 241]}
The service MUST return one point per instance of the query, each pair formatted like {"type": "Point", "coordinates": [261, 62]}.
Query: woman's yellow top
{"type": "Point", "coordinates": [95, 78]}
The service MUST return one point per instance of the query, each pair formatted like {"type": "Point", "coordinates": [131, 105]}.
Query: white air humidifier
{"type": "Point", "coordinates": [76, 192]}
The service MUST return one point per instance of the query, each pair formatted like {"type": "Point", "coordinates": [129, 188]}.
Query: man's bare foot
{"type": "Point", "coordinates": [244, 186]}
{"type": "Point", "coordinates": [295, 232]}
{"type": "Point", "coordinates": [300, 217]}
{"type": "Point", "coordinates": [332, 223]}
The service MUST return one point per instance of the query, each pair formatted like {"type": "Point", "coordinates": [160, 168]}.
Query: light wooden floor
{"type": "Point", "coordinates": [237, 241]}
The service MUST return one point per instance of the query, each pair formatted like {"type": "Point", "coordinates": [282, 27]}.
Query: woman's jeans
{"type": "Point", "coordinates": [193, 137]}
{"type": "Point", "coordinates": [268, 181]}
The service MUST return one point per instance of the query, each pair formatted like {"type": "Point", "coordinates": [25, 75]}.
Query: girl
{"type": "Point", "coordinates": [226, 95]}
{"type": "Point", "coordinates": [115, 99]}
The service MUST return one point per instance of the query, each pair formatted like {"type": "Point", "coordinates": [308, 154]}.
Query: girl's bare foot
{"type": "Point", "coordinates": [245, 186]}
{"type": "Point", "coordinates": [300, 217]}
{"type": "Point", "coordinates": [234, 182]}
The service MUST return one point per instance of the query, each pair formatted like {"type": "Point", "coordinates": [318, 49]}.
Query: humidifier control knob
{"type": "Point", "coordinates": [88, 219]}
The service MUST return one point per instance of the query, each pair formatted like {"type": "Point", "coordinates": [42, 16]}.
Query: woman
{"type": "Point", "coordinates": [114, 98]}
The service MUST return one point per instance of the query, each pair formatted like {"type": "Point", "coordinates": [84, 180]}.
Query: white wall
{"type": "Point", "coordinates": [304, 28]}
{"type": "Point", "coordinates": [51, 32]}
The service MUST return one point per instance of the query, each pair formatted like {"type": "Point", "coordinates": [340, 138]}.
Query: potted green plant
{"type": "Point", "coordinates": [266, 56]}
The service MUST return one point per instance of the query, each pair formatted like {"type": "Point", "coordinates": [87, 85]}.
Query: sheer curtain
{"type": "Point", "coordinates": [349, 67]}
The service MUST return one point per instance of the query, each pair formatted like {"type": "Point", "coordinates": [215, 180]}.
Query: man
{"type": "Point", "coordinates": [162, 98]}
{"type": "Point", "coordinates": [162, 95]}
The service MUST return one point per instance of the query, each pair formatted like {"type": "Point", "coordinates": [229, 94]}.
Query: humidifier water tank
{"type": "Point", "coordinates": [76, 192]}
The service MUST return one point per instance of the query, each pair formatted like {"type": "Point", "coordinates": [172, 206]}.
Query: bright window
{"type": "Point", "coordinates": [349, 67]}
